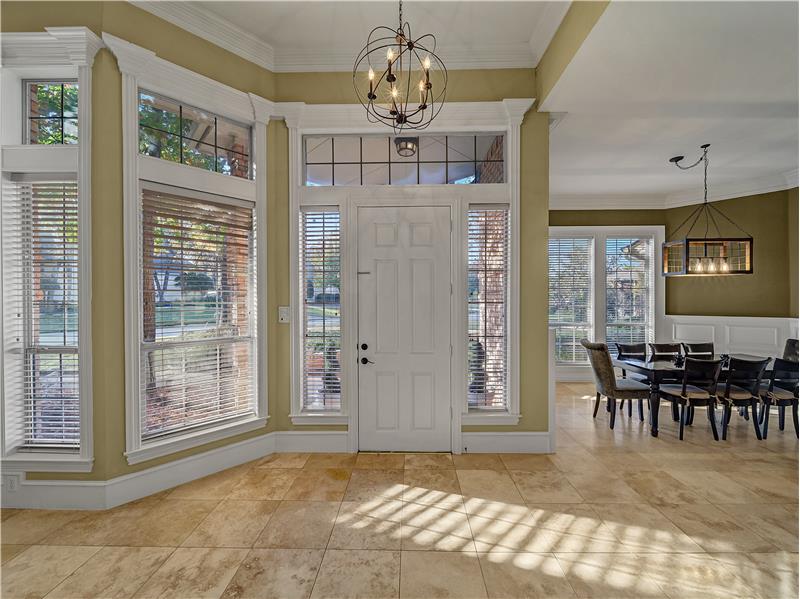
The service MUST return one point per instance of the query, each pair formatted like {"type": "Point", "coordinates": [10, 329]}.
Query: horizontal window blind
{"type": "Point", "coordinates": [40, 294]}
{"type": "Point", "coordinates": [197, 325]}
{"type": "Point", "coordinates": [320, 288]}
{"type": "Point", "coordinates": [570, 262]}
{"type": "Point", "coordinates": [488, 243]}
{"type": "Point", "coordinates": [629, 290]}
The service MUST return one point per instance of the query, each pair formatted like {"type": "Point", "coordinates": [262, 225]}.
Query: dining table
{"type": "Point", "coordinates": [658, 371]}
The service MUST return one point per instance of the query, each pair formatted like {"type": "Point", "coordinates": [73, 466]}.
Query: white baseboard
{"type": "Point", "coordinates": [97, 495]}
{"type": "Point", "coordinates": [507, 442]}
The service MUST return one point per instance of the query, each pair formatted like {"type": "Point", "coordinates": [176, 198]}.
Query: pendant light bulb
{"type": "Point", "coordinates": [371, 74]}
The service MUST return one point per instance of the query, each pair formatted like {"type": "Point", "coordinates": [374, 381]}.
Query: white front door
{"type": "Point", "coordinates": [404, 328]}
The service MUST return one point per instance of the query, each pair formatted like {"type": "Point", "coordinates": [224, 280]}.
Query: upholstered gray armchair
{"type": "Point", "coordinates": [608, 384]}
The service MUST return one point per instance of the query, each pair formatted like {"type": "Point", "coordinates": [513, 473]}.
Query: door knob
{"type": "Point", "coordinates": [364, 346]}
{"type": "Point", "coordinates": [366, 361]}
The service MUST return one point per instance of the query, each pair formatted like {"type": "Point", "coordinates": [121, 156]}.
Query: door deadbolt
{"type": "Point", "coordinates": [364, 346]}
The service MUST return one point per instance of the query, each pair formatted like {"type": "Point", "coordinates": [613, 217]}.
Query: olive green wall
{"type": "Point", "coordinates": [770, 291]}
{"type": "Point", "coordinates": [176, 45]}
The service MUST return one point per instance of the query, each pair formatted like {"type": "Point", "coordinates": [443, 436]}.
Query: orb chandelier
{"type": "Point", "coordinates": [706, 255]}
{"type": "Point", "coordinates": [398, 79]}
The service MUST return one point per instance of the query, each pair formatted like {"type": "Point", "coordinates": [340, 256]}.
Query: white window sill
{"type": "Point", "coordinates": [157, 449]}
{"type": "Point", "coordinates": [485, 417]}
{"type": "Point", "coordinates": [25, 461]}
{"type": "Point", "coordinates": [319, 418]}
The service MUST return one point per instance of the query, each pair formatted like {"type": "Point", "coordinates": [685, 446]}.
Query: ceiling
{"type": "Point", "coordinates": [326, 36]}
{"type": "Point", "coordinates": [657, 79]}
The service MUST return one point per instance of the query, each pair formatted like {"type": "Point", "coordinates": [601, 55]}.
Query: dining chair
{"type": "Point", "coordinates": [698, 387]}
{"type": "Point", "coordinates": [695, 349]}
{"type": "Point", "coordinates": [636, 351]}
{"type": "Point", "coordinates": [606, 382]}
{"type": "Point", "coordinates": [791, 350]}
{"type": "Point", "coordinates": [780, 391]}
{"type": "Point", "coordinates": [664, 351]}
{"type": "Point", "coordinates": [741, 390]}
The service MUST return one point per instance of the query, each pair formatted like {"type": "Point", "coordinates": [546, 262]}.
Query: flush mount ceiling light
{"type": "Point", "coordinates": [399, 80]}
{"type": "Point", "coordinates": [706, 255]}
{"type": "Point", "coordinates": [406, 146]}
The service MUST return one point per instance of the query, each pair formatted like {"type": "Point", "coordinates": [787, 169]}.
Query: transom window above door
{"type": "Point", "coordinates": [352, 160]}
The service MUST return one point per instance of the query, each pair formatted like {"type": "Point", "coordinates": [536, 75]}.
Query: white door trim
{"type": "Point", "coordinates": [349, 214]}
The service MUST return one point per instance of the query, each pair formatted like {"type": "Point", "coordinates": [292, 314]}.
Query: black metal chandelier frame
{"type": "Point", "coordinates": [401, 54]}
{"type": "Point", "coordinates": [705, 255]}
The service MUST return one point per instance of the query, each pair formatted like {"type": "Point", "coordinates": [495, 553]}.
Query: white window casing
{"type": "Point", "coordinates": [57, 53]}
{"type": "Point", "coordinates": [143, 70]}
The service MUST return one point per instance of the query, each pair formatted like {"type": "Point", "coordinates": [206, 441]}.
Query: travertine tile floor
{"type": "Point", "coordinates": [612, 514]}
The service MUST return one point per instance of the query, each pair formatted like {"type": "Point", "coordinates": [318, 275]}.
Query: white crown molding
{"type": "Point", "coordinates": [546, 27]}
{"type": "Point", "coordinates": [56, 47]}
{"type": "Point", "coordinates": [194, 18]}
{"type": "Point", "coordinates": [724, 191]}
{"type": "Point", "coordinates": [211, 27]}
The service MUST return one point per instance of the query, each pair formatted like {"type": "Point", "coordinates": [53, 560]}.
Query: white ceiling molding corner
{"type": "Point", "coordinates": [546, 27]}
{"type": "Point", "coordinates": [606, 202]}
{"type": "Point", "coordinates": [735, 189]}
{"type": "Point", "coordinates": [209, 26]}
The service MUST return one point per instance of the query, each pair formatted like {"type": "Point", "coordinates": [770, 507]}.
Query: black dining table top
{"type": "Point", "coordinates": [669, 365]}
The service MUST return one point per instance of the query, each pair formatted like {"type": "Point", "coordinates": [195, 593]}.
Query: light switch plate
{"type": "Point", "coordinates": [283, 314]}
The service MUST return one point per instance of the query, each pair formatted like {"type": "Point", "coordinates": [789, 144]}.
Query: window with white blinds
{"type": "Point", "coordinates": [320, 288]}
{"type": "Point", "coordinates": [570, 295]}
{"type": "Point", "coordinates": [197, 331]}
{"type": "Point", "coordinates": [629, 289]}
{"type": "Point", "coordinates": [488, 251]}
{"type": "Point", "coordinates": [40, 300]}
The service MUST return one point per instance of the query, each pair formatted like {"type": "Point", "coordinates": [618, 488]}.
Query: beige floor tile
{"type": "Point", "coordinates": [199, 573]}
{"type": "Point", "coordinates": [659, 488]}
{"type": "Point", "coordinates": [8, 552]}
{"type": "Point", "coordinates": [478, 461]}
{"type": "Point", "coordinates": [608, 576]}
{"type": "Point", "coordinates": [7, 512]}
{"type": "Point", "coordinates": [715, 530]}
{"type": "Point", "coordinates": [380, 461]}
{"type": "Point", "coordinates": [714, 486]}
{"type": "Point", "coordinates": [232, 523]}
{"type": "Point", "coordinates": [347, 574]}
{"type": "Point", "coordinates": [527, 461]}
{"type": "Point", "coordinates": [167, 524]}
{"type": "Point", "coordinates": [488, 486]}
{"type": "Point", "coordinates": [39, 569]}
{"type": "Point", "coordinates": [429, 460]}
{"type": "Point", "coordinates": [524, 575]}
{"type": "Point", "coordinates": [215, 486]}
{"type": "Point", "coordinates": [771, 488]}
{"type": "Point", "coordinates": [331, 460]}
{"type": "Point", "coordinates": [265, 484]}
{"type": "Point", "coordinates": [770, 521]}
{"type": "Point", "coordinates": [367, 525]}
{"type": "Point", "coordinates": [31, 526]}
{"type": "Point", "coordinates": [284, 460]}
{"type": "Point", "coordinates": [116, 572]}
{"type": "Point", "coordinates": [597, 487]}
{"type": "Point", "coordinates": [770, 575]}
{"type": "Point", "coordinates": [432, 487]}
{"type": "Point", "coordinates": [575, 460]}
{"type": "Point", "coordinates": [441, 574]}
{"type": "Point", "coordinates": [101, 527]}
{"type": "Point", "coordinates": [275, 574]}
{"type": "Point", "coordinates": [545, 486]}
{"type": "Point", "coordinates": [629, 461]}
{"type": "Point", "coordinates": [319, 485]}
{"type": "Point", "coordinates": [366, 485]}
{"type": "Point", "coordinates": [300, 525]}
{"type": "Point", "coordinates": [694, 576]}
{"type": "Point", "coordinates": [430, 528]}
{"type": "Point", "coordinates": [643, 529]}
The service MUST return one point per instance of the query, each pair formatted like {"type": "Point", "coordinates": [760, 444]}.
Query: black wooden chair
{"type": "Point", "coordinates": [699, 349]}
{"type": "Point", "coordinates": [698, 387]}
{"type": "Point", "coordinates": [636, 351]}
{"type": "Point", "coordinates": [607, 383]}
{"type": "Point", "coordinates": [791, 350]}
{"type": "Point", "coordinates": [780, 391]}
{"type": "Point", "coordinates": [665, 351]}
{"type": "Point", "coordinates": [741, 390]}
